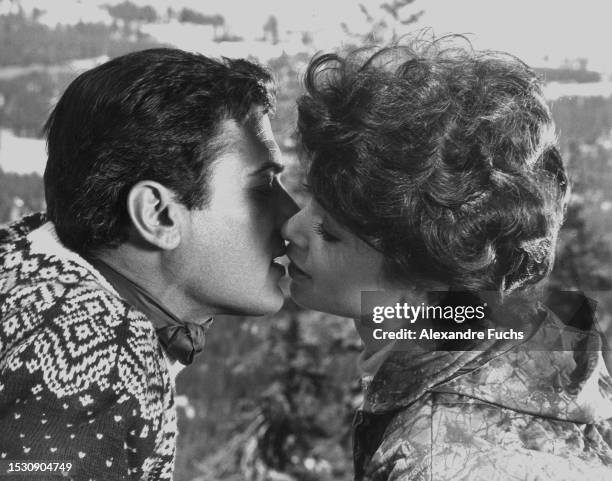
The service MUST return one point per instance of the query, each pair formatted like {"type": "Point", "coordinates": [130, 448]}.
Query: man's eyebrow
{"type": "Point", "coordinates": [275, 167]}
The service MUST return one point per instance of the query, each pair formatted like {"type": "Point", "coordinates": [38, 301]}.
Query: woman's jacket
{"type": "Point", "coordinates": [541, 410]}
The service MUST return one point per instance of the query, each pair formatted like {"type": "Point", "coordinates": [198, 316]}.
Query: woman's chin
{"type": "Point", "coordinates": [308, 299]}
{"type": "Point", "coordinates": [300, 295]}
{"type": "Point", "coordinates": [304, 297]}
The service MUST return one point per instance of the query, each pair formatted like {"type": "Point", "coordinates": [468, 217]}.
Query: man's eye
{"type": "Point", "coordinates": [266, 187]}
{"type": "Point", "coordinates": [325, 235]}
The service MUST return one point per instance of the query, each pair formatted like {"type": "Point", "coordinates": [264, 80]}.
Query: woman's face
{"type": "Point", "coordinates": [330, 266]}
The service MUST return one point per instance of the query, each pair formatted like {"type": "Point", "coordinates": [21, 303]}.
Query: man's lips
{"type": "Point", "coordinates": [279, 267]}
{"type": "Point", "coordinates": [274, 263]}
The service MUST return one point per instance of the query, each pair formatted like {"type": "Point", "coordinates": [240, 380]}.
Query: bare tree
{"type": "Point", "coordinates": [387, 23]}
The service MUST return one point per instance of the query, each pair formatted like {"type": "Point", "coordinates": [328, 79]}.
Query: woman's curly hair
{"type": "Point", "coordinates": [444, 159]}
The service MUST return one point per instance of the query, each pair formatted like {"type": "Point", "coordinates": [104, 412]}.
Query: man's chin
{"type": "Point", "coordinates": [274, 301]}
{"type": "Point", "coordinates": [264, 304]}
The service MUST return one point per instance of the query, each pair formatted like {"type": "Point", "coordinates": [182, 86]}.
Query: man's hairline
{"type": "Point", "coordinates": [222, 143]}
{"type": "Point", "coordinates": [227, 134]}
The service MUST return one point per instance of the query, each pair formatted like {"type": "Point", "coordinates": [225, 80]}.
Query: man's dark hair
{"type": "Point", "coordinates": [148, 115]}
{"type": "Point", "coordinates": [442, 157]}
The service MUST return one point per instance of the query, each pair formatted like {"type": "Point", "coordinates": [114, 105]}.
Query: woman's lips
{"type": "Point", "coordinates": [296, 273]}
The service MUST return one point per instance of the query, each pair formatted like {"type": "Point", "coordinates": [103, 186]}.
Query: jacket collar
{"type": "Point", "coordinates": [559, 372]}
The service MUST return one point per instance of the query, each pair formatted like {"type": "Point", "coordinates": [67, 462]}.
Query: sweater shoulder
{"type": "Point", "coordinates": [9, 233]}
{"type": "Point", "coordinates": [69, 313]}
{"type": "Point", "coordinates": [75, 357]}
{"type": "Point", "coordinates": [76, 339]}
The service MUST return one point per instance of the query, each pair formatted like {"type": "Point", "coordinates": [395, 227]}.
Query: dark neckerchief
{"type": "Point", "coordinates": [181, 340]}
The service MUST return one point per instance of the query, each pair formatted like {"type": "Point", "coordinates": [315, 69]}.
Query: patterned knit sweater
{"type": "Point", "coordinates": [82, 377]}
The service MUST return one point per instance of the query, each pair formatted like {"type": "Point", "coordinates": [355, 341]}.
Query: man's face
{"type": "Point", "coordinates": [230, 244]}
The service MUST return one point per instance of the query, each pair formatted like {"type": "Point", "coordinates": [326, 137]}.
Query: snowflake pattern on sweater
{"type": "Point", "coordinates": [83, 378]}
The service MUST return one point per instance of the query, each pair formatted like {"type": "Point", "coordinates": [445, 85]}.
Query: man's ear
{"type": "Point", "coordinates": [156, 215]}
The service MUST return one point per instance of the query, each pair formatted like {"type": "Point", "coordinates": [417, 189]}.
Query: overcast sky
{"type": "Point", "coordinates": [531, 29]}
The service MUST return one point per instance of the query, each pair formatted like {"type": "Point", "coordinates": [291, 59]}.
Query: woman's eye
{"type": "Point", "coordinates": [326, 236]}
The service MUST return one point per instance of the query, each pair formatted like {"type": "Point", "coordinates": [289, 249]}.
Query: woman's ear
{"type": "Point", "coordinates": [155, 214]}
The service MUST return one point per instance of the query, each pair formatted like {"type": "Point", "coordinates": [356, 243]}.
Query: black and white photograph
{"type": "Point", "coordinates": [318, 240]}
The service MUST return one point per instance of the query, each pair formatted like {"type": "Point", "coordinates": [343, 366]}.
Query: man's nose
{"type": "Point", "coordinates": [286, 206]}
{"type": "Point", "coordinates": [292, 230]}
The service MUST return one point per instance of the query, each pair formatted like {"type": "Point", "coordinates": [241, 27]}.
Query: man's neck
{"type": "Point", "coordinates": [149, 271]}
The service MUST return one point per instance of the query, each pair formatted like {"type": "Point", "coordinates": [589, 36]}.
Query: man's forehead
{"type": "Point", "coordinates": [258, 124]}
{"type": "Point", "coordinates": [253, 137]}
